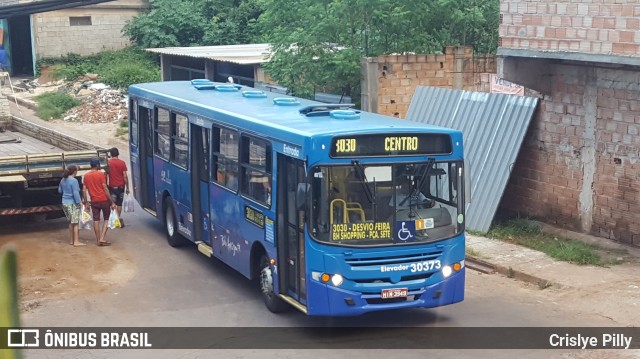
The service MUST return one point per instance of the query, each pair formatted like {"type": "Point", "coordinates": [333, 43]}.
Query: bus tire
{"type": "Point", "coordinates": [171, 225]}
{"type": "Point", "coordinates": [274, 303]}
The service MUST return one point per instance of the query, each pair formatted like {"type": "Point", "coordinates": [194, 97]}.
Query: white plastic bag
{"type": "Point", "coordinates": [114, 221]}
{"type": "Point", "coordinates": [128, 204]}
{"type": "Point", "coordinates": [86, 221]}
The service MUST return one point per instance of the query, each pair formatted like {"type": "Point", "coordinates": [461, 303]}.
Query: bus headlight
{"type": "Point", "coordinates": [336, 279]}
{"type": "Point", "coordinates": [446, 271]}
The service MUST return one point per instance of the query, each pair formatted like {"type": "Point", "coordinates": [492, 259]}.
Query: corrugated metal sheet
{"type": "Point", "coordinates": [239, 54]}
{"type": "Point", "coordinates": [493, 127]}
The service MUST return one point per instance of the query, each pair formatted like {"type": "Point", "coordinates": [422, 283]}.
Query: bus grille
{"type": "Point", "coordinates": [392, 300]}
{"type": "Point", "coordinates": [421, 276]}
{"type": "Point", "coordinates": [403, 259]}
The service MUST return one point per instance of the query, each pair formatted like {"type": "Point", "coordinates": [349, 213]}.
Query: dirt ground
{"type": "Point", "coordinates": [50, 268]}
{"type": "Point", "coordinates": [53, 269]}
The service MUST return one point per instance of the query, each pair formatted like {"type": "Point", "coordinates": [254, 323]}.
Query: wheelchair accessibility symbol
{"type": "Point", "coordinates": [405, 230]}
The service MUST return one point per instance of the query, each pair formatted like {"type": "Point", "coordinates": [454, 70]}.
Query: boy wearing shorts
{"type": "Point", "coordinates": [118, 181]}
{"type": "Point", "coordinates": [95, 184]}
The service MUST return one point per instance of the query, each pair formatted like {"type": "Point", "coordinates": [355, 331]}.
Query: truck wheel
{"type": "Point", "coordinates": [274, 303]}
{"type": "Point", "coordinates": [171, 225]}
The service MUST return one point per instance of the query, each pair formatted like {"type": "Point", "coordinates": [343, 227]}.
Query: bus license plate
{"type": "Point", "coordinates": [394, 293]}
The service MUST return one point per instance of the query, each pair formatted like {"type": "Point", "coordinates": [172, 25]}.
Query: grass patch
{"type": "Point", "coordinates": [122, 131]}
{"type": "Point", "coordinates": [472, 252]}
{"type": "Point", "coordinates": [118, 69]}
{"type": "Point", "coordinates": [121, 75]}
{"type": "Point", "coordinates": [525, 233]}
{"type": "Point", "coordinates": [53, 105]}
{"type": "Point", "coordinates": [476, 233]}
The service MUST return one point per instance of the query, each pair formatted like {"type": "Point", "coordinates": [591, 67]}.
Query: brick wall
{"type": "Point", "coordinates": [54, 36]}
{"type": "Point", "coordinates": [397, 76]}
{"type": "Point", "coordinates": [580, 162]}
{"type": "Point", "coordinates": [589, 26]}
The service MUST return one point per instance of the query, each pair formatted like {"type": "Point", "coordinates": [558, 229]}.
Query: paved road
{"type": "Point", "coordinates": [181, 287]}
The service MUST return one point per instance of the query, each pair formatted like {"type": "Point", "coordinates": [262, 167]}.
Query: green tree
{"type": "Point", "coordinates": [468, 22]}
{"type": "Point", "coordinates": [194, 23]}
{"type": "Point", "coordinates": [318, 44]}
{"type": "Point", "coordinates": [311, 49]}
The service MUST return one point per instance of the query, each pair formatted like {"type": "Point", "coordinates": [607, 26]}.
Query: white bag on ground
{"type": "Point", "coordinates": [114, 221]}
{"type": "Point", "coordinates": [86, 221]}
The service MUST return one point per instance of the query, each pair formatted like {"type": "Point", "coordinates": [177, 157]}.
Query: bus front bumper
{"type": "Point", "coordinates": [340, 302]}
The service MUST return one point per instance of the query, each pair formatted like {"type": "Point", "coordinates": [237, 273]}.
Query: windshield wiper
{"type": "Point", "coordinates": [425, 173]}
{"type": "Point", "coordinates": [371, 194]}
{"type": "Point", "coordinates": [363, 181]}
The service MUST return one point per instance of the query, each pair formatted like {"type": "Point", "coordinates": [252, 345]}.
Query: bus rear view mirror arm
{"type": "Point", "coordinates": [467, 184]}
{"type": "Point", "coordinates": [301, 195]}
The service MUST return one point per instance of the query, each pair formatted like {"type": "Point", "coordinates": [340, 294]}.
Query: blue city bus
{"type": "Point", "coordinates": [334, 211]}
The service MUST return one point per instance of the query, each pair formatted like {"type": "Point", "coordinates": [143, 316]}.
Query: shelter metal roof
{"type": "Point", "coordinates": [493, 127]}
{"type": "Point", "coordinates": [240, 54]}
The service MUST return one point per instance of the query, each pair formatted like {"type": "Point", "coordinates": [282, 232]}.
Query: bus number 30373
{"type": "Point", "coordinates": [425, 266]}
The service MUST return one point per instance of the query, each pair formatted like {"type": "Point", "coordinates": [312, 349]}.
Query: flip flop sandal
{"type": "Point", "coordinates": [104, 244]}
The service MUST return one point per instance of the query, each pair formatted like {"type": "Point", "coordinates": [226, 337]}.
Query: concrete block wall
{"type": "Point", "coordinates": [588, 26]}
{"type": "Point", "coordinates": [67, 143]}
{"type": "Point", "coordinates": [580, 162]}
{"type": "Point", "coordinates": [398, 76]}
{"type": "Point", "coordinates": [54, 36]}
{"type": "Point", "coordinates": [5, 113]}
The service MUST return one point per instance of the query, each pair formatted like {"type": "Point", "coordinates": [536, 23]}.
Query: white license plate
{"type": "Point", "coordinates": [394, 293]}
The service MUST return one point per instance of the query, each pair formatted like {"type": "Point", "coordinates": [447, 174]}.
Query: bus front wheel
{"type": "Point", "coordinates": [274, 303]}
{"type": "Point", "coordinates": [171, 225]}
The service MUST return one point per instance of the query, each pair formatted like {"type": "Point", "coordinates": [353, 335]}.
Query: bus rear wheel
{"type": "Point", "coordinates": [171, 225]}
{"type": "Point", "coordinates": [274, 303]}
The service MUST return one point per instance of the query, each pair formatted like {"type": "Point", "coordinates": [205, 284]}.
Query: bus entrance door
{"type": "Point", "coordinates": [290, 234]}
{"type": "Point", "coordinates": [200, 154]}
{"type": "Point", "coordinates": [148, 196]}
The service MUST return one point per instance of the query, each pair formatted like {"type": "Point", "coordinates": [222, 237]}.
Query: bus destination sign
{"type": "Point", "coordinates": [360, 231]}
{"type": "Point", "coordinates": [410, 144]}
{"type": "Point", "coordinates": [254, 216]}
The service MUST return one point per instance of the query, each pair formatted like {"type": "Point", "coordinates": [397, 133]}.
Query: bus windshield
{"type": "Point", "coordinates": [364, 205]}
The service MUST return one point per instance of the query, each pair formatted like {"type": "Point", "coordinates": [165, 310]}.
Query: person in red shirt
{"type": "Point", "coordinates": [117, 181]}
{"type": "Point", "coordinates": [95, 183]}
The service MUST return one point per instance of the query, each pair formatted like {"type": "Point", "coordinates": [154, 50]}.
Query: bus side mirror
{"type": "Point", "coordinates": [301, 195]}
{"type": "Point", "coordinates": [467, 185]}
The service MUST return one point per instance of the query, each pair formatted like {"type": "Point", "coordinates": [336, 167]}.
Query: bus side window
{"type": "Point", "coordinates": [180, 140]}
{"type": "Point", "coordinates": [225, 157]}
{"type": "Point", "coordinates": [133, 126]}
{"type": "Point", "coordinates": [163, 134]}
{"type": "Point", "coordinates": [255, 162]}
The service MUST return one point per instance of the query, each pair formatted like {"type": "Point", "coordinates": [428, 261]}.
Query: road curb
{"type": "Point", "coordinates": [23, 102]}
{"type": "Point", "coordinates": [483, 266]}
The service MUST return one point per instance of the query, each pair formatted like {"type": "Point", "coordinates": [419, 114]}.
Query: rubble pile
{"type": "Point", "coordinates": [100, 104]}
